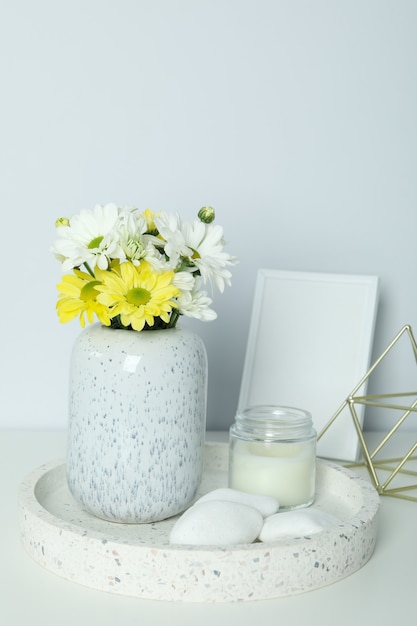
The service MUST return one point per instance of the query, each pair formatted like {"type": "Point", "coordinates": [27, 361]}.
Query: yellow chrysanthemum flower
{"type": "Point", "coordinates": [78, 297]}
{"type": "Point", "coordinates": [137, 293]}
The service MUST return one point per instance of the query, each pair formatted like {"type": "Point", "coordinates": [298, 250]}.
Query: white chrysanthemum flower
{"type": "Point", "coordinates": [91, 237]}
{"type": "Point", "coordinates": [207, 244]}
{"type": "Point", "coordinates": [135, 243]}
{"type": "Point", "coordinates": [196, 303]}
{"type": "Point", "coordinates": [184, 281]}
{"type": "Point", "coordinates": [200, 245]}
{"type": "Point", "coordinates": [170, 228]}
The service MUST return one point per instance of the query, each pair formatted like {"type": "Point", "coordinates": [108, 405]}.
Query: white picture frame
{"type": "Point", "coordinates": [309, 344]}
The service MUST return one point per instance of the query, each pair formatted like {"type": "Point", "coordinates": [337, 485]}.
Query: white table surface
{"type": "Point", "coordinates": [382, 592]}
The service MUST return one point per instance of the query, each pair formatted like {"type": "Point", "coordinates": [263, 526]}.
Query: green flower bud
{"type": "Point", "coordinates": [62, 221]}
{"type": "Point", "coordinates": [206, 214]}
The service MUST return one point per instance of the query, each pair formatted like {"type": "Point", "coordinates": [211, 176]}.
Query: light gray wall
{"type": "Point", "coordinates": [295, 119]}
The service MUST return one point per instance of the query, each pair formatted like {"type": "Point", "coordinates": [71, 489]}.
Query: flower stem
{"type": "Point", "coordinates": [88, 268]}
{"type": "Point", "coordinates": [174, 318]}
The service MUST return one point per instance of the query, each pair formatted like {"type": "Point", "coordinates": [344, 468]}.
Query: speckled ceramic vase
{"type": "Point", "coordinates": [137, 417]}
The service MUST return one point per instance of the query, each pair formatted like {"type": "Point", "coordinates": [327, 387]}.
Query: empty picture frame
{"type": "Point", "coordinates": [310, 342]}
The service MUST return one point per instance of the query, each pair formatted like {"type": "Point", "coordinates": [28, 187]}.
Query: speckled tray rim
{"type": "Point", "coordinates": [102, 559]}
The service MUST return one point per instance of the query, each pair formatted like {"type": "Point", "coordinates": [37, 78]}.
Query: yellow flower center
{"type": "Point", "coordinates": [94, 243]}
{"type": "Point", "coordinates": [138, 296]}
{"type": "Point", "coordinates": [88, 292]}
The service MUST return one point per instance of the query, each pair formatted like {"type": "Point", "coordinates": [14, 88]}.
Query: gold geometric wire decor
{"type": "Point", "coordinates": [394, 466]}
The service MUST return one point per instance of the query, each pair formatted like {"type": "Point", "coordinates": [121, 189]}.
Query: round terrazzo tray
{"type": "Point", "coordinates": [137, 560]}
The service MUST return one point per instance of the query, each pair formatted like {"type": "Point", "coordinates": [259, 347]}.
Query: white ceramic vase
{"type": "Point", "coordinates": [137, 418]}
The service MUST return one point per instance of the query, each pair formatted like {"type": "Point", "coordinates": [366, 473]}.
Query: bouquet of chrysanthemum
{"type": "Point", "coordinates": [139, 270]}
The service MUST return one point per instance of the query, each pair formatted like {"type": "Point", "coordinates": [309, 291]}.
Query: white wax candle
{"type": "Point", "coordinates": [283, 470]}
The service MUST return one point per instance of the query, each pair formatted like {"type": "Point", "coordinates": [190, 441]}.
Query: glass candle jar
{"type": "Point", "coordinates": [272, 451]}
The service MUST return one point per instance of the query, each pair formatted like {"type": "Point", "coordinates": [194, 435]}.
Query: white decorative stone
{"type": "Point", "coordinates": [217, 523]}
{"type": "Point", "coordinates": [293, 524]}
{"type": "Point", "coordinates": [267, 505]}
